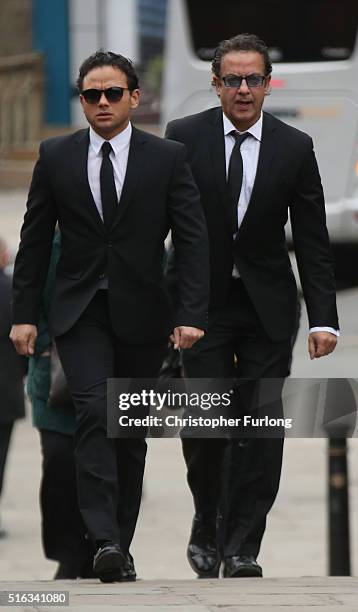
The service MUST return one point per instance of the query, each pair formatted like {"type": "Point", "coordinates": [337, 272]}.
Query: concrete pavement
{"type": "Point", "coordinates": [295, 543]}
{"type": "Point", "coordinates": [234, 595]}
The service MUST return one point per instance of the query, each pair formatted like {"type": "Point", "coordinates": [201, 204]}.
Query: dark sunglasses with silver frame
{"type": "Point", "coordinates": [113, 94]}
{"type": "Point", "coordinates": [235, 80]}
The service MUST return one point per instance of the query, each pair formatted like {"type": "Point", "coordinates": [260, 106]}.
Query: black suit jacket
{"type": "Point", "coordinates": [158, 194]}
{"type": "Point", "coordinates": [287, 179]}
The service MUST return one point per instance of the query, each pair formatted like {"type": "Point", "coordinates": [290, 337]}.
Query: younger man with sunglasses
{"type": "Point", "coordinates": [115, 191]}
{"type": "Point", "coordinates": [251, 169]}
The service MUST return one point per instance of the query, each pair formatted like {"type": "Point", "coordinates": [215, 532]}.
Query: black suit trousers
{"type": "Point", "coordinates": [238, 477]}
{"type": "Point", "coordinates": [5, 436]}
{"type": "Point", "coordinates": [109, 471]}
{"type": "Point", "coordinates": [63, 530]}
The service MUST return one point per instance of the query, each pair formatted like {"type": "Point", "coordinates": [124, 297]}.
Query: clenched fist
{"type": "Point", "coordinates": [184, 337]}
{"type": "Point", "coordinates": [23, 337]}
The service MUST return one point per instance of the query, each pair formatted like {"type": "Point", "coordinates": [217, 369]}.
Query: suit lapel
{"type": "Point", "coordinates": [267, 150]}
{"type": "Point", "coordinates": [135, 165]}
{"type": "Point", "coordinates": [79, 165]}
{"type": "Point", "coordinates": [217, 152]}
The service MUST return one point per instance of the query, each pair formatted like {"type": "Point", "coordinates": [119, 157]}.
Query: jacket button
{"type": "Point", "coordinates": [109, 244]}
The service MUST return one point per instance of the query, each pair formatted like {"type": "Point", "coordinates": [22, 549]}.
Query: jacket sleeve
{"type": "Point", "coordinates": [312, 247]}
{"type": "Point", "coordinates": [190, 240]}
{"type": "Point", "coordinates": [32, 260]}
{"type": "Point", "coordinates": [170, 131]}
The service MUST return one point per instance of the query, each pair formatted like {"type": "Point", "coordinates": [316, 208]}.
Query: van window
{"type": "Point", "coordinates": [294, 30]}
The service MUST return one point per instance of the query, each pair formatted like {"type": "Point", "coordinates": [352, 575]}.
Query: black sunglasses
{"type": "Point", "coordinates": [113, 94]}
{"type": "Point", "coordinates": [252, 80]}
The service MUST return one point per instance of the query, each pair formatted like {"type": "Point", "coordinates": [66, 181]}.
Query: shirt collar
{"type": "Point", "coordinates": [118, 142]}
{"type": "Point", "coordinates": [255, 130]}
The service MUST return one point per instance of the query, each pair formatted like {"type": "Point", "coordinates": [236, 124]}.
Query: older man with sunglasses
{"type": "Point", "coordinates": [115, 191]}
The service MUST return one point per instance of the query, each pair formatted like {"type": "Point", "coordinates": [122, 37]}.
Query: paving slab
{"type": "Point", "coordinates": [326, 594]}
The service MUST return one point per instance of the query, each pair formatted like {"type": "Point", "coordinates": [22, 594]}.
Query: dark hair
{"type": "Point", "coordinates": [241, 42]}
{"type": "Point", "coordinates": [107, 58]}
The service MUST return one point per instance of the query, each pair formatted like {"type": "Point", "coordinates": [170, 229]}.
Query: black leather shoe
{"type": "Point", "coordinates": [202, 551]}
{"type": "Point", "coordinates": [128, 573]}
{"type": "Point", "coordinates": [65, 571]}
{"type": "Point", "coordinates": [108, 562]}
{"type": "Point", "coordinates": [86, 569]}
{"type": "Point", "coordinates": [70, 570]}
{"type": "Point", "coordinates": [242, 566]}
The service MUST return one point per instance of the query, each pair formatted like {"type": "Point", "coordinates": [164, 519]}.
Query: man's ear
{"type": "Point", "coordinates": [135, 96]}
{"type": "Point", "coordinates": [268, 86]}
{"type": "Point", "coordinates": [216, 83]}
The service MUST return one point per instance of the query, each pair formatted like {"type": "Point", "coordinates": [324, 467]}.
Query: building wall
{"type": "Point", "coordinates": [151, 22]}
{"type": "Point", "coordinates": [86, 35]}
{"type": "Point", "coordinates": [15, 27]}
{"type": "Point", "coordinates": [121, 28]}
{"type": "Point", "coordinates": [50, 37]}
{"type": "Point", "coordinates": [110, 24]}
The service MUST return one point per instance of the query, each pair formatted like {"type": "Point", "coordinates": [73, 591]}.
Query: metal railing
{"type": "Point", "coordinates": [21, 99]}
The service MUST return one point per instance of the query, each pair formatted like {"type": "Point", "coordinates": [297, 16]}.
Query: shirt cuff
{"type": "Point", "coordinates": [336, 332]}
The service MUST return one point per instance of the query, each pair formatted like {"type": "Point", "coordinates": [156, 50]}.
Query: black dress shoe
{"type": "Point", "coordinates": [128, 573]}
{"type": "Point", "coordinates": [76, 569]}
{"type": "Point", "coordinates": [65, 571]}
{"type": "Point", "coordinates": [202, 552]}
{"type": "Point", "coordinates": [85, 569]}
{"type": "Point", "coordinates": [242, 566]}
{"type": "Point", "coordinates": [108, 562]}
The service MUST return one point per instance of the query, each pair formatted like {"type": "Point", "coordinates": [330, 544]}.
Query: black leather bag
{"type": "Point", "coordinates": [60, 397]}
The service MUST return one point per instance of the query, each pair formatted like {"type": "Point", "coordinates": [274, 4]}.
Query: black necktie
{"type": "Point", "coordinates": [234, 179]}
{"type": "Point", "coordinates": [108, 187]}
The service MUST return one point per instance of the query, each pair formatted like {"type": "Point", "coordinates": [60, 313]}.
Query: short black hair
{"type": "Point", "coordinates": [241, 42]}
{"type": "Point", "coordinates": [108, 58]}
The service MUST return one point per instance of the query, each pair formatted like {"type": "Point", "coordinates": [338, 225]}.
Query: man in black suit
{"type": "Point", "coordinates": [115, 191]}
{"type": "Point", "coordinates": [251, 169]}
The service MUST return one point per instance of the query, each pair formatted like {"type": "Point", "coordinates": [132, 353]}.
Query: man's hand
{"type": "Point", "coordinates": [321, 343]}
{"type": "Point", "coordinates": [184, 337]}
{"type": "Point", "coordinates": [23, 338]}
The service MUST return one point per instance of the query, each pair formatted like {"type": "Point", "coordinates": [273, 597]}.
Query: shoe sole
{"type": "Point", "coordinates": [208, 575]}
{"type": "Point", "coordinates": [110, 576]}
{"type": "Point", "coordinates": [246, 572]}
{"type": "Point", "coordinates": [131, 579]}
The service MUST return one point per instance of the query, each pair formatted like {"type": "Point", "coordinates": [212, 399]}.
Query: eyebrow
{"type": "Point", "coordinates": [244, 75]}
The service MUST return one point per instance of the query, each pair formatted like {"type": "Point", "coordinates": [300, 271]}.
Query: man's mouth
{"type": "Point", "coordinates": [243, 103]}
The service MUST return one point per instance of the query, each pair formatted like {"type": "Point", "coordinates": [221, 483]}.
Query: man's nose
{"type": "Point", "coordinates": [243, 87]}
{"type": "Point", "coordinates": [103, 100]}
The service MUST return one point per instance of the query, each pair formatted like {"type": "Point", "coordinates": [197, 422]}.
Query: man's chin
{"type": "Point", "coordinates": [103, 128]}
{"type": "Point", "coordinates": [104, 124]}
{"type": "Point", "coordinates": [245, 119]}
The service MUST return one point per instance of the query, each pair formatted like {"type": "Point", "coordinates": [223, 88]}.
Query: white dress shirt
{"type": "Point", "coordinates": [250, 150]}
{"type": "Point", "coordinates": [119, 158]}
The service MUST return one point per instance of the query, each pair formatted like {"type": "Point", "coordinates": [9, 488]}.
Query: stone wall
{"type": "Point", "coordinates": [15, 27]}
